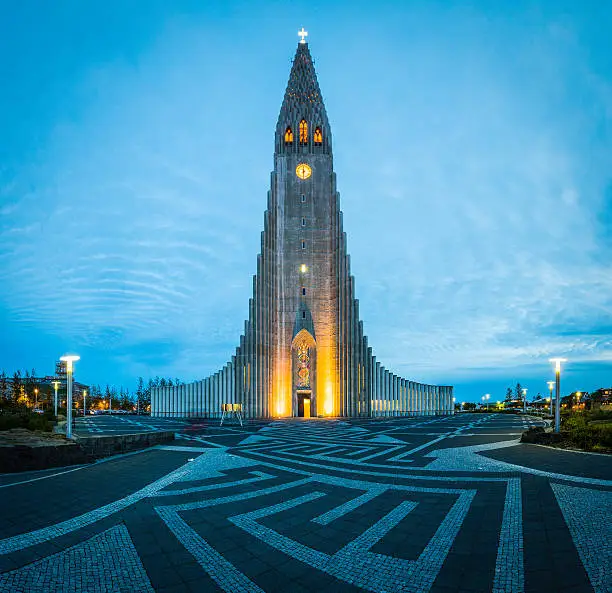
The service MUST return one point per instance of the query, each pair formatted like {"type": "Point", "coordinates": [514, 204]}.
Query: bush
{"type": "Point", "coordinates": [585, 435]}
{"type": "Point", "coordinates": [27, 419]}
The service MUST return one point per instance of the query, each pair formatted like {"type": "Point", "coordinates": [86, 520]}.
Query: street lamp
{"type": "Point", "coordinates": [69, 359]}
{"type": "Point", "coordinates": [55, 386]}
{"type": "Point", "coordinates": [551, 384]}
{"type": "Point", "coordinates": [84, 402]}
{"type": "Point", "coordinates": [557, 362]}
{"type": "Point", "coordinates": [487, 396]}
{"type": "Point", "coordinates": [36, 398]}
{"type": "Point", "coordinates": [524, 401]}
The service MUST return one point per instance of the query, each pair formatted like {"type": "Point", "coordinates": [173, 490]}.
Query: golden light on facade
{"type": "Point", "coordinates": [303, 268]}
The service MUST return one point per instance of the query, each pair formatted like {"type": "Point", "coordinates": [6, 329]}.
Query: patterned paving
{"type": "Point", "coordinates": [430, 504]}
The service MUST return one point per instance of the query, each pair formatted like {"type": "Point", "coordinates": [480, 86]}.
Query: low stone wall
{"type": "Point", "coordinates": [22, 458]}
{"type": "Point", "coordinates": [107, 445]}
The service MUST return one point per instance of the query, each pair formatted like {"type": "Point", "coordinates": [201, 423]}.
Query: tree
{"type": "Point", "coordinates": [4, 387]}
{"type": "Point", "coordinates": [124, 396]}
{"type": "Point", "coordinates": [16, 386]}
{"type": "Point", "coordinates": [108, 396]}
{"type": "Point", "coordinates": [509, 396]}
{"type": "Point", "coordinates": [518, 392]}
{"type": "Point", "coordinates": [140, 391]}
{"type": "Point", "coordinates": [146, 400]}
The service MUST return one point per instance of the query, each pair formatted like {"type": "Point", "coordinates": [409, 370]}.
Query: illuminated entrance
{"type": "Point", "coordinates": [303, 401]}
{"type": "Point", "coordinates": [303, 372]}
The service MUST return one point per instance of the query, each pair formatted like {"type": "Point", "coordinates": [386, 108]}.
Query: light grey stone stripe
{"type": "Point", "coordinates": [107, 562]}
{"type": "Point", "coordinates": [25, 540]}
{"type": "Point", "coordinates": [587, 514]}
{"type": "Point", "coordinates": [223, 572]}
{"type": "Point", "coordinates": [259, 477]}
{"type": "Point", "coordinates": [318, 467]}
{"type": "Point", "coordinates": [202, 504]}
{"type": "Point", "coordinates": [185, 449]}
{"type": "Point", "coordinates": [354, 563]}
{"type": "Point", "coordinates": [509, 566]}
{"type": "Point", "coordinates": [347, 507]}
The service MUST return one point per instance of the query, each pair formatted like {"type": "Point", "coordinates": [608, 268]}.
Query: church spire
{"type": "Point", "coordinates": [302, 121]}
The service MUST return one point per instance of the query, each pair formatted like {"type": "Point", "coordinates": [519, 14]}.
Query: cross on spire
{"type": "Point", "coordinates": [302, 34]}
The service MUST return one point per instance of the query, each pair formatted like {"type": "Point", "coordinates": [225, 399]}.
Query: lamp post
{"type": "Point", "coordinates": [36, 398]}
{"type": "Point", "coordinates": [69, 359]}
{"type": "Point", "coordinates": [524, 401]}
{"type": "Point", "coordinates": [487, 396]}
{"type": "Point", "coordinates": [551, 384]}
{"type": "Point", "coordinates": [55, 387]}
{"type": "Point", "coordinates": [84, 402]}
{"type": "Point", "coordinates": [557, 362]}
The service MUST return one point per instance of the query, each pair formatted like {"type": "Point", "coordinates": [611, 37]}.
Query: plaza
{"type": "Point", "coordinates": [437, 504]}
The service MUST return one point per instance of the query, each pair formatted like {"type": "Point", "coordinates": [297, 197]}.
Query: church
{"type": "Point", "coordinates": [303, 351]}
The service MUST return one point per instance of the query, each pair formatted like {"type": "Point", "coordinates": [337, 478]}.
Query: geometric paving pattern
{"type": "Point", "coordinates": [438, 504]}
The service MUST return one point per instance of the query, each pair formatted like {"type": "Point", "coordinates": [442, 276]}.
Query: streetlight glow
{"type": "Point", "coordinates": [56, 385]}
{"type": "Point", "coordinates": [69, 359]}
{"type": "Point", "coordinates": [557, 362]}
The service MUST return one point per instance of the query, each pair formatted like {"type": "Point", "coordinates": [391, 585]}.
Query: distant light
{"type": "Point", "coordinates": [303, 268]}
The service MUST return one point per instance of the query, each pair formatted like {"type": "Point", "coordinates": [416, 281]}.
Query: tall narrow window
{"type": "Point", "coordinates": [303, 314]}
{"type": "Point", "coordinates": [303, 291]}
{"type": "Point", "coordinates": [303, 132]}
{"type": "Point", "coordinates": [303, 221]}
{"type": "Point", "coordinates": [289, 136]}
{"type": "Point", "coordinates": [303, 244]}
{"type": "Point", "coordinates": [303, 198]}
{"type": "Point", "coordinates": [318, 136]}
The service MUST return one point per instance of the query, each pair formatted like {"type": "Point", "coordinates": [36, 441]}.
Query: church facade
{"type": "Point", "coordinates": [303, 351]}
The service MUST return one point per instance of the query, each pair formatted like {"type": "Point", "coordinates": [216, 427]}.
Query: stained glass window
{"type": "Point", "coordinates": [289, 136]}
{"type": "Point", "coordinates": [303, 132]}
{"type": "Point", "coordinates": [318, 136]}
{"type": "Point", "coordinates": [303, 358]}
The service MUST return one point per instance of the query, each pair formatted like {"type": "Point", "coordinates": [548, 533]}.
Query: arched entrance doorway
{"type": "Point", "coordinates": [303, 373]}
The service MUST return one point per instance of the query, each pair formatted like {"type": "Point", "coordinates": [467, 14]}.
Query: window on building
{"type": "Point", "coordinates": [303, 314]}
{"type": "Point", "coordinates": [318, 136]}
{"type": "Point", "coordinates": [303, 291]}
{"type": "Point", "coordinates": [303, 132]}
{"type": "Point", "coordinates": [303, 244]}
{"type": "Point", "coordinates": [303, 198]}
{"type": "Point", "coordinates": [303, 221]}
{"type": "Point", "coordinates": [288, 136]}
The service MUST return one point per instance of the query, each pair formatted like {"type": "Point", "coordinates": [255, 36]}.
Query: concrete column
{"type": "Point", "coordinates": [395, 396]}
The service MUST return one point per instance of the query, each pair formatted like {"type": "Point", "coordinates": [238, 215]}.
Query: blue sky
{"type": "Point", "coordinates": [472, 145]}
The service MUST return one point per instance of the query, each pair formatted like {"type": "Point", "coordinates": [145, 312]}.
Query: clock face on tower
{"type": "Point", "coordinates": [303, 171]}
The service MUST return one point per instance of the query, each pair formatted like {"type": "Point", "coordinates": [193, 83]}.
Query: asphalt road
{"type": "Point", "coordinates": [420, 504]}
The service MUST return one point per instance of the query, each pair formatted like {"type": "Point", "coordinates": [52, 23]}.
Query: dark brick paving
{"type": "Point", "coordinates": [261, 516]}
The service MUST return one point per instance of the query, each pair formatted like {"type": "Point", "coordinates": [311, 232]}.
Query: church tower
{"type": "Point", "coordinates": [303, 351]}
